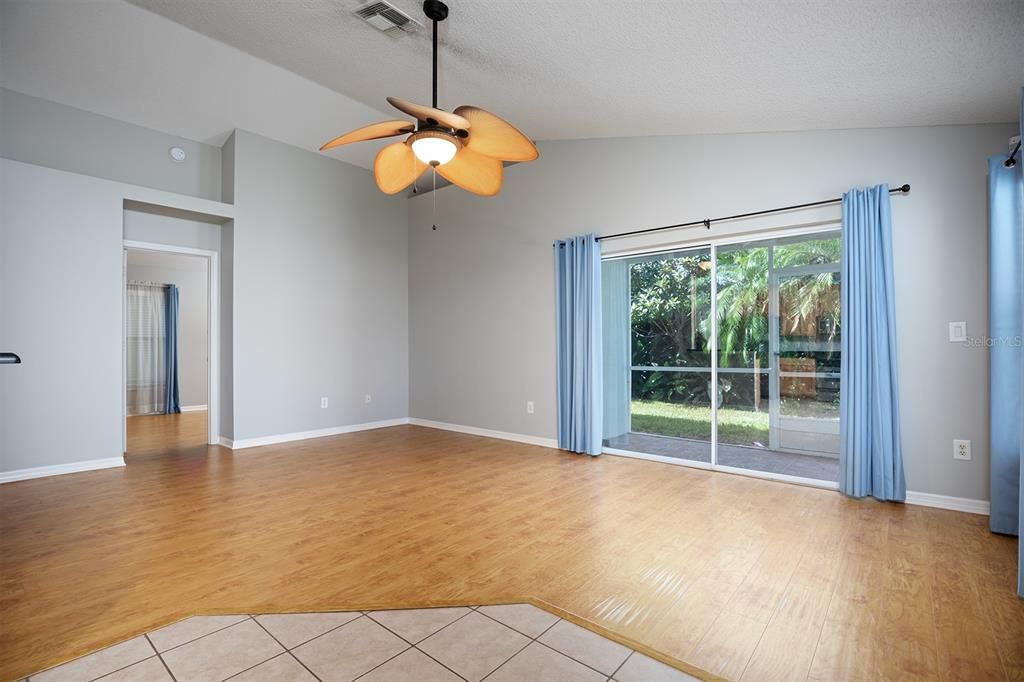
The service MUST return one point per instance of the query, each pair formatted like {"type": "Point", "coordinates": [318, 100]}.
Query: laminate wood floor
{"type": "Point", "coordinates": [745, 578]}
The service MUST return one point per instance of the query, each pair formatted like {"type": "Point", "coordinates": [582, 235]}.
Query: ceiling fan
{"type": "Point", "coordinates": [466, 146]}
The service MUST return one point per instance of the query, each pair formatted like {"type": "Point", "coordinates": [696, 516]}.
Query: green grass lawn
{"type": "Point", "coordinates": [740, 427]}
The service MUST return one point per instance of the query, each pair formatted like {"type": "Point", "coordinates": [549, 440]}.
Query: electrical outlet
{"type": "Point", "coordinates": [323, 403]}
{"type": "Point", "coordinates": [529, 407]}
{"type": "Point", "coordinates": [961, 449]}
{"type": "Point", "coordinates": [957, 332]}
{"type": "Point", "coordinates": [368, 398]}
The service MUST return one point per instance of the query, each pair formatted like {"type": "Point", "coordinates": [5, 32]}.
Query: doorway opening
{"type": "Point", "coordinates": [727, 356]}
{"type": "Point", "coordinates": [169, 342]}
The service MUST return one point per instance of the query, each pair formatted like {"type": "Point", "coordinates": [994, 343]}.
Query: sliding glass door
{"type": "Point", "coordinates": [657, 354]}
{"type": "Point", "coordinates": [778, 356]}
{"type": "Point", "coordinates": [767, 399]}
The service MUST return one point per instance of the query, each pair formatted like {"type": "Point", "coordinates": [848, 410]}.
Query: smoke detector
{"type": "Point", "coordinates": [385, 17]}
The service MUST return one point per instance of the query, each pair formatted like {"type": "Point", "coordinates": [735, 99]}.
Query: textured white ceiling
{"type": "Point", "coordinates": [586, 68]}
{"type": "Point", "coordinates": [569, 69]}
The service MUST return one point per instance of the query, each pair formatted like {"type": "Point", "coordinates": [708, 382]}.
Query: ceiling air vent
{"type": "Point", "coordinates": [384, 16]}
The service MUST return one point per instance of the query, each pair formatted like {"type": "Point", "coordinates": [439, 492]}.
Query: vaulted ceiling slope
{"type": "Point", "coordinates": [300, 71]}
{"type": "Point", "coordinates": [602, 68]}
{"type": "Point", "coordinates": [122, 61]}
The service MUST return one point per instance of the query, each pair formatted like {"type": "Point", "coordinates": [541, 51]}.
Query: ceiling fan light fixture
{"type": "Point", "coordinates": [434, 147]}
{"type": "Point", "coordinates": [466, 147]}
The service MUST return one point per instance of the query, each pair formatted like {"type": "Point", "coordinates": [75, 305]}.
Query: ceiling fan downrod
{"type": "Point", "coordinates": [436, 11]}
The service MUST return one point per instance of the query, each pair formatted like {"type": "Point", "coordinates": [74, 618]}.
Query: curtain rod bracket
{"type": "Point", "coordinates": [1010, 161]}
{"type": "Point", "coordinates": [707, 223]}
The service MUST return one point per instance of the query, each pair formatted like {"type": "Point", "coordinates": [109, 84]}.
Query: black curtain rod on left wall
{"type": "Point", "coordinates": [902, 189]}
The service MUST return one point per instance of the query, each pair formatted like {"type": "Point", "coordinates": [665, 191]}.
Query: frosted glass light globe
{"type": "Point", "coordinates": [434, 149]}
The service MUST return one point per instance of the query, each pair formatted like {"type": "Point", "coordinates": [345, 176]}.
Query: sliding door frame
{"type": "Point", "coordinates": [713, 244]}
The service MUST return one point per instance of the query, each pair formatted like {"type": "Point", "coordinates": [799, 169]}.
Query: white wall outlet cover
{"type": "Point", "coordinates": [529, 407]}
{"type": "Point", "coordinates": [957, 332]}
{"type": "Point", "coordinates": [177, 153]}
{"type": "Point", "coordinates": [961, 449]}
{"type": "Point", "coordinates": [323, 403]}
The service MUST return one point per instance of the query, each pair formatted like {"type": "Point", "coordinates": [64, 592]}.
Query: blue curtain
{"type": "Point", "coordinates": [1006, 356]}
{"type": "Point", "coordinates": [579, 362]}
{"type": "Point", "coordinates": [1006, 274]}
{"type": "Point", "coordinates": [870, 454]}
{"type": "Point", "coordinates": [172, 399]}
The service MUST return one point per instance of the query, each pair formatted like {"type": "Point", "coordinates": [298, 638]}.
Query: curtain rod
{"type": "Point", "coordinates": [903, 189]}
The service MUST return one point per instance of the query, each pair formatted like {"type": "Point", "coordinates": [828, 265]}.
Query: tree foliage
{"type": "Point", "coordinates": [671, 309]}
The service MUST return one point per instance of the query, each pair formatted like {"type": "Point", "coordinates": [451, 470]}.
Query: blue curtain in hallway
{"type": "Point", "coordinates": [172, 399]}
{"type": "Point", "coordinates": [870, 454]}
{"type": "Point", "coordinates": [1006, 357]}
{"type": "Point", "coordinates": [579, 359]}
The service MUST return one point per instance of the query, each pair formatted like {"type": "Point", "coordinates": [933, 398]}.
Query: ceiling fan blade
{"type": "Point", "coordinates": [396, 167]}
{"type": "Point", "coordinates": [371, 132]}
{"type": "Point", "coordinates": [494, 136]}
{"type": "Point", "coordinates": [473, 172]}
{"type": "Point", "coordinates": [422, 113]}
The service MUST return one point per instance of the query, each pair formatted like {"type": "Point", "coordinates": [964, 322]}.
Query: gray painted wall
{"type": "Point", "coordinates": [49, 134]}
{"type": "Point", "coordinates": [481, 287]}
{"type": "Point", "coordinates": [140, 226]}
{"type": "Point", "coordinates": [227, 295]}
{"type": "Point", "coordinates": [60, 309]}
{"type": "Point", "coordinates": [315, 301]}
{"type": "Point", "coordinates": [320, 292]}
{"type": "Point", "coordinates": [189, 274]}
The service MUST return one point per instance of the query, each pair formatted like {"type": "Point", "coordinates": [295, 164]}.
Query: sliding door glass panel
{"type": "Point", "coordinates": [778, 354]}
{"type": "Point", "coordinates": [809, 363]}
{"type": "Point", "coordinates": [664, 317]}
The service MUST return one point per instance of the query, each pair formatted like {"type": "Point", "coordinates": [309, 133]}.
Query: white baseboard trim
{"type": "Point", "coordinates": [488, 433]}
{"type": "Point", "coordinates": [58, 469]}
{"type": "Point", "coordinates": [961, 504]}
{"type": "Point", "coordinates": [304, 435]}
{"type": "Point", "coordinates": [193, 408]}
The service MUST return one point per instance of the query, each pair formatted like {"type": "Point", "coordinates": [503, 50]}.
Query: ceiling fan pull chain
{"type": "Point", "coordinates": [433, 196]}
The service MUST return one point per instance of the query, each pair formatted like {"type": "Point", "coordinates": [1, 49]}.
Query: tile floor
{"type": "Point", "coordinates": [505, 643]}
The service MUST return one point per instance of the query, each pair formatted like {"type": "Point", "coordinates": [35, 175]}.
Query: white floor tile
{"type": "Point", "coordinates": [149, 670]}
{"type": "Point", "coordinates": [640, 668]}
{"type": "Point", "coordinates": [538, 663]}
{"type": "Point", "coordinates": [474, 646]}
{"type": "Point", "coordinates": [411, 666]}
{"type": "Point", "coordinates": [100, 663]}
{"type": "Point", "coordinates": [349, 651]}
{"type": "Point", "coordinates": [189, 629]}
{"type": "Point", "coordinates": [414, 625]}
{"type": "Point", "coordinates": [283, 668]}
{"type": "Point", "coordinates": [222, 654]}
{"type": "Point", "coordinates": [525, 618]}
{"type": "Point", "coordinates": [293, 629]}
{"type": "Point", "coordinates": [586, 646]}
